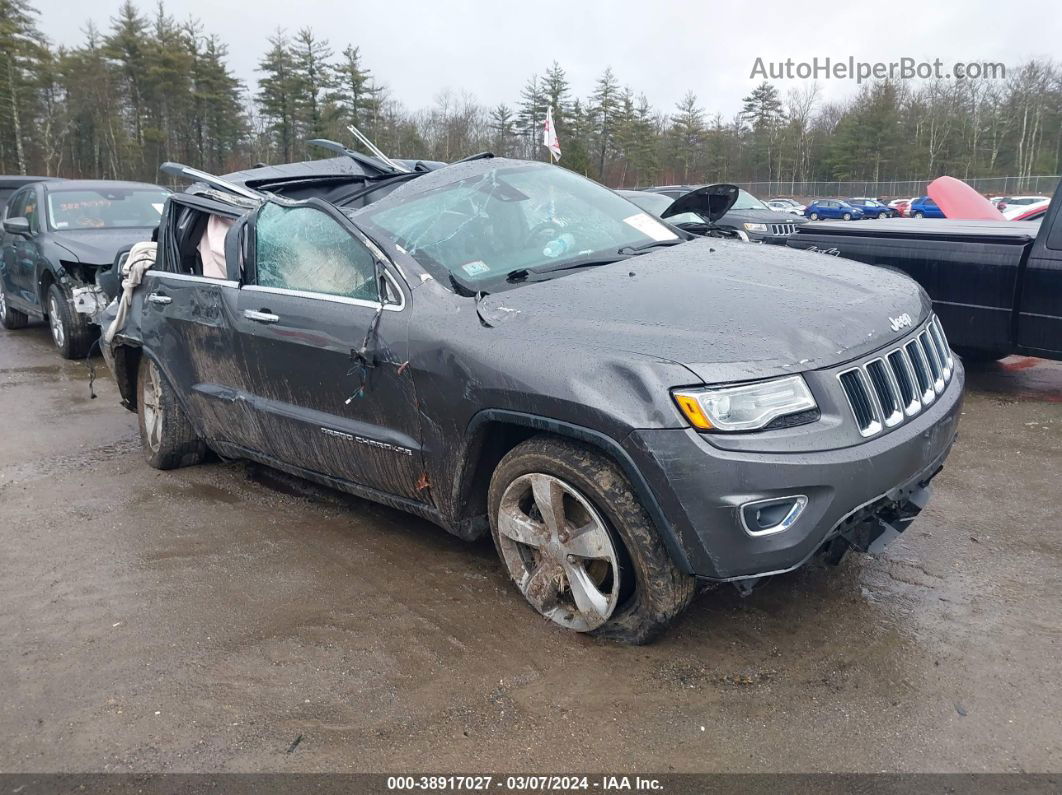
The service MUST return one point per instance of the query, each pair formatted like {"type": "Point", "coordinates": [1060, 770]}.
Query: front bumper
{"type": "Point", "coordinates": [850, 491]}
{"type": "Point", "coordinates": [771, 240]}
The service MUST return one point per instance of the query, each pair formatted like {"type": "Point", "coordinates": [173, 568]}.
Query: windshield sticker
{"type": "Point", "coordinates": [84, 205]}
{"type": "Point", "coordinates": [475, 268]}
{"type": "Point", "coordinates": [650, 227]}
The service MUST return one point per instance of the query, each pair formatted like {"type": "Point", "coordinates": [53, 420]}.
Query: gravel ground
{"type": "Point", "coordinates": [204, 619]}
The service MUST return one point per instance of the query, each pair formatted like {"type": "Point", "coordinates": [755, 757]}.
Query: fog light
{"type": "Point", "coordinates": [766, 517]}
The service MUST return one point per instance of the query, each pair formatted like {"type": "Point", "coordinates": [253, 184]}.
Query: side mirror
{"type": "Point", "coordinates": [17, 226]}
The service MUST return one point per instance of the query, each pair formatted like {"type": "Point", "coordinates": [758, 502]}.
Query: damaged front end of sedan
{"type": "Point", "coordinates": [504, 346]}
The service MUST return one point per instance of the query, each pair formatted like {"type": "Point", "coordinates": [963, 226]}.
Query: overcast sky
{"type": "Point", "coordinates": [660, 48]}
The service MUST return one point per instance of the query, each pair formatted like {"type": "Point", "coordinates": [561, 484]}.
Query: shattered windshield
{"type": "Point", "coordinates": [746, 201]}
{"type": "Point", "coordinates": [105, 208]}
{"type": "Point", "coordinates": [531, 217]}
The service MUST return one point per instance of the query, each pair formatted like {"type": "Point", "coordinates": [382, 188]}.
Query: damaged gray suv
{"type": "Point", "coordinates": [504, 346]}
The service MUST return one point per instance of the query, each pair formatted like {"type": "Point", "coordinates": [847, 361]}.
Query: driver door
{"type": "Point", "coordinates": [310, 303]}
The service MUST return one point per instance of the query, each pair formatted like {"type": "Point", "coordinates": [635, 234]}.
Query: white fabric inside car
{"type": "Point", "coordinates": [141, 258]}
{"type": "Point", "coordinates": [212, 247]}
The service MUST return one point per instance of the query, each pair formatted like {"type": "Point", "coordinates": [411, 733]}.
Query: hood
{"type": "Point", "coordinates": [99, 246]}
{"type": "Point", "coordinates": [738, 217]}
{"type": "Point", "coordinates": [727, 311]}
{"type": "Point", "coordinates": [710, 202]}
{"type": "Point", "coordinates": [956, 199]}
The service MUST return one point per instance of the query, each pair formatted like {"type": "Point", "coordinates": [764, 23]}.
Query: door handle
{"type": "Point", "coordinates": [159, 298]}
{"type": "Point", "coordinates": [261, 317]}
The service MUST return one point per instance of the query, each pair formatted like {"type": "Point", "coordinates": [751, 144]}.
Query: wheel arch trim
{"type": "Point", "coordinates": [604, 443]}
{"type": "Point", "coordinates": [146, 352]}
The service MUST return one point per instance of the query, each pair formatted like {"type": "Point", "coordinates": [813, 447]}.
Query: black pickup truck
{"type": "Point", "coordinates": [996, 285]}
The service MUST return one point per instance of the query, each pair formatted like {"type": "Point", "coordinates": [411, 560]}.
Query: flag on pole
{"type": "Point", "coordinates": [549, 136]}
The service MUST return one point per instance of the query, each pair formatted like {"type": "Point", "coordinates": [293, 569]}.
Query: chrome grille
{"type": "Point", "coordinates": [855, 385]}
{"type": "Point", "coordinates": [885, 389]}
{"type": "Point", "coordinates": [917, 358]}
{"type": "Point", "coordinates": [783, 229]}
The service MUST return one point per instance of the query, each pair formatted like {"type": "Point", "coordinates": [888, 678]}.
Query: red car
{"type": "Point", "coordinates": [900, 206]}
{"type": "Point", "coordinates": [1034, 213]}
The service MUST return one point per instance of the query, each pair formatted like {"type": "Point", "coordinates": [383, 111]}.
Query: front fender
{"type": "Point", "coordinates": [602, 442]}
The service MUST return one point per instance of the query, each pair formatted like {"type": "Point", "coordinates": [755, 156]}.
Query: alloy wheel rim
{"type": "Point", "coordinates": [56, 323]}
{"type": "Point", "coordinates": [3, 304]}
{"type": "Point", "coordinates": [151, 402]}
{"type": "Point", "coordinates": [558, 551]}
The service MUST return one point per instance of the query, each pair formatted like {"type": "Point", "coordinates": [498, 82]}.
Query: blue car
{"type": "Point", "coordinates": [872, 208]}
{"type": "Point", "coordinates": [925, 207]}
{"type": "Point", "coordinates": [832, 208]}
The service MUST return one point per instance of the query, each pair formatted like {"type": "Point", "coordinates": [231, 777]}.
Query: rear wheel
{"type": "Point", "coordinates": [578, 544]}
{"type": "Point", "coordinates": [72, 334]}
{"type": "Point", "coordinates": [168, 437]}
{"type": "Point", "coordinates": [10, 318]}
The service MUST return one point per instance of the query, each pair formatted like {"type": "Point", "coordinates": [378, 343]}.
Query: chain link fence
{"type": "Point", "coordinates": [898, 189]}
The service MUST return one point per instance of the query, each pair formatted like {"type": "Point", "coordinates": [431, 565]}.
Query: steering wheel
{"type": "Point", "coordinates": [543, 233]}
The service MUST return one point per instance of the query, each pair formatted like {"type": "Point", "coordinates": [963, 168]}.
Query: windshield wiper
{"type": "Point", "coordinates": [522, 274]}
{"type": "Point", "coordinates": [623, 253]}
{"type": "Point", "coordinates": [643, 247]}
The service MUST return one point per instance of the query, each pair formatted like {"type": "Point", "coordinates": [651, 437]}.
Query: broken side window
{"type": "Point", "coordinates": [303, 248]}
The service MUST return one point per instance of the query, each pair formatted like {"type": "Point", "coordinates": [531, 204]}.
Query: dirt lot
{"type": "Point", "coordinates": [202, 620]}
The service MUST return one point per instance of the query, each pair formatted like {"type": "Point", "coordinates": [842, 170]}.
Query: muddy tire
{"type": "Point", "coordinates": [10, 318]}
{"type": "Point", "coordinates": [598, 565]}
{"type": "Point", "coordinates": [168, 437]}
{"type": "Point", "coordinates": [72, 334]}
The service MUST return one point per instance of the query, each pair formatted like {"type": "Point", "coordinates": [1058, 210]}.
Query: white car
{"type": "Point", "coordinates": [901, 205]}
{"type": "Point", "coordinates": [1016, 205]}
{"type": "Point", "coordinates": [786, 206]}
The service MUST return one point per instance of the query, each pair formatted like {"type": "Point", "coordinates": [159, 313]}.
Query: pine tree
{"type": "Point", "coordinates": [276, 96]}
{"type": "Point", "coordinates": [221, 126]}
{"type": "Point", "coordinates": [531, 115]}
{"type": "Point", "coordinates": [99, 144]}
{"type": "Point", "coordinates": [688, 136]}
{"type": "Point", "coordinates": [502, 124]}
{"type": "Point", "coordinates": [353, 91]}
{"type": "Point", "coordinates": [22, 48]}
{"type": "Point", "coordinates": [763, 110]}
{"type": "Point", "coordinates": [125, 46]}
{"type": "Point", "coordinates": [557, 95]}
{"type": "Point", "coordinates": [312, 80]}
{"type": "Point", "coordinates": [576, 146]}
{"type": "Point", "coordinates": [605, 105]}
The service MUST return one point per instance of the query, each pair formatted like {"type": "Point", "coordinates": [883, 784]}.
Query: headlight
{"type": "Point", "coordinates": [745, 407]}
{"type": "Point", "coordinates": [755, 227]}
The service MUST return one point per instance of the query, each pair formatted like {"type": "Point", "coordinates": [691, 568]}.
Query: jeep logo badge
{"type": "Point", "coordinates": [901, 321]}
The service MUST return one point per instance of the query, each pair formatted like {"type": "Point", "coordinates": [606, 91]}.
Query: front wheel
{"type": "Point", "coordinates": [72, 334]}
{"type": "Point", "coordinates": [168, 437]}
{"type": "Point", "coordinates": [847, 216]}
{"type": "Point", "coordinates": [814, 216]}
{"type": "Point", "coordinates": [578, 544]}
{"type": "Point", "coordinates": [10, 318]}
{"type": "Point", "coordinates": [919, 215]}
